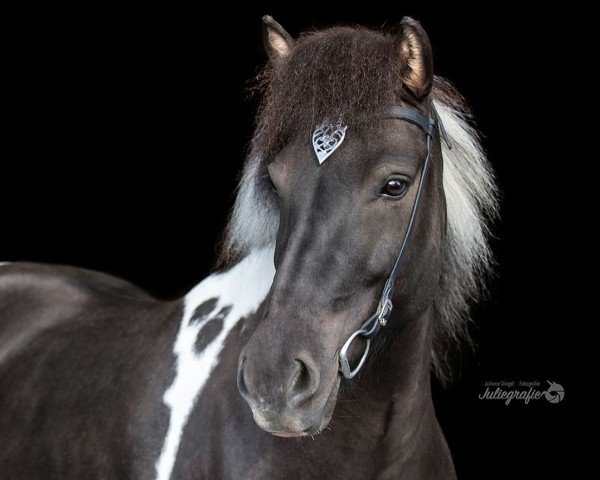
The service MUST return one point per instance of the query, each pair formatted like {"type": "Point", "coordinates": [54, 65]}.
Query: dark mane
{"type": "Point", "coordinates": [340, 71]}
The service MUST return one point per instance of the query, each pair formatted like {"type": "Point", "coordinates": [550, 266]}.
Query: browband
{"type": "Point", "coordinates": [426, 124]}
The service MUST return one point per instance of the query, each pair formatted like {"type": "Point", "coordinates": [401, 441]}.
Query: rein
{"type": "Point", "coordinates": [379, 319]}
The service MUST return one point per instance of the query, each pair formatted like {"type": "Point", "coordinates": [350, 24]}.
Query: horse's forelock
{"type": "Point", "coordinates": [351, 72]}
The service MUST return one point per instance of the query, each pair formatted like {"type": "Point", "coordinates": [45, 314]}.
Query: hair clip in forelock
{"type": "Point", "coordinates": [327, 138]}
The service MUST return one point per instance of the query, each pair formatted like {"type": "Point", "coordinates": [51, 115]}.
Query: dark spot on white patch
{"type": "Point", "coordinates": [212, 328]}
{"type": "Point", "coordinates": [208, 334]}
{"type": "Point", "coordinates": [203, 310]}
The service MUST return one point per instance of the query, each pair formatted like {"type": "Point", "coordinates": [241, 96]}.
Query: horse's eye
{"type": "Point", "coordinates": [394, 188]}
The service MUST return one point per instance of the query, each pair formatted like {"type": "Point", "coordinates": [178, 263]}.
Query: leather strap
{"type": "Point", "coordinates": [371, 326]}
{"type": "Point", "coordinates": [428, 127]}
{"type": "Point", "coordinates": [413, 116]}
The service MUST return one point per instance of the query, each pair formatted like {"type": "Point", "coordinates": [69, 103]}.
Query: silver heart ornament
{"type": "Point", "coordinates": [327, 138]}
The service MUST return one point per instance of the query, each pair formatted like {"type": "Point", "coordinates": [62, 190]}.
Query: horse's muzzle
{"type": "Point", "coordinates": [287, 400]}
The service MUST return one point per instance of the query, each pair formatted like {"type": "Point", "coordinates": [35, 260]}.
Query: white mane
{"type": "Point", "coordinates": [471, 198]}
{"type": "Point", "coordinates": [471, 205]}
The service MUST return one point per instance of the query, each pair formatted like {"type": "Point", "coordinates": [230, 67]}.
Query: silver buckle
{"type": "Point", "coordinates": [380, 318]}
{"type": "Point", "coordinates": [384, 309]}
{"type": "Point", "coordinates": [345, 368]}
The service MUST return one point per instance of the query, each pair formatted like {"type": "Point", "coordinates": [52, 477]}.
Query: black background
{"type": "Point", "coordinates": [124, 133]}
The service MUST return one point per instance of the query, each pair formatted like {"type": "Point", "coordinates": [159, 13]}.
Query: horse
{"type": "Point", "coordinates": [356, 245]}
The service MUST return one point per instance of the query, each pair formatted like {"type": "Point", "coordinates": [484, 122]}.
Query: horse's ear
{"type": "Point", "coordinates": [278, 42]}
{"type": "Point", "coordinates": [416, 60]}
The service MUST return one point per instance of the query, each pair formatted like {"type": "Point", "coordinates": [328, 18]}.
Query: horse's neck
{"type": "Point", "coordinates": [404, 363]}
{"type": "Point", "coordinates": [220, 300]}
{"type": "Point", "coordinates": [244, 286]}
{"type": "Point", "coordinates": [211, 310]}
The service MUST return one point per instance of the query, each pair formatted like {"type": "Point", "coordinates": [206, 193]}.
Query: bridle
{"type": "Point", "coordinates": [379, 319]}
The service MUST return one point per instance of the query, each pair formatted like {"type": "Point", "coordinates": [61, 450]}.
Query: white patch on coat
{"type": "Point", "coordinates": [4, 263]}
{"type": "Point", "coordinates": [243, 287]}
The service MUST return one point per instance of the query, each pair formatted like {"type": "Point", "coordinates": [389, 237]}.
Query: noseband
{"type": "Point", "coordinates": [379, 319]}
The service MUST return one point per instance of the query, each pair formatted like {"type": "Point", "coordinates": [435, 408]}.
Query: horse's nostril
{"type": "Point", "coordinates": [265, 388]}
{"type": "Point", "coordinates": [298, 376]}
{"type": "Point", "coordinates": [241, 381]}
{"type": "Point", "coordinates": [303, 382]}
